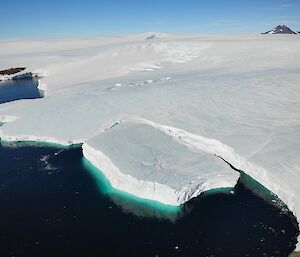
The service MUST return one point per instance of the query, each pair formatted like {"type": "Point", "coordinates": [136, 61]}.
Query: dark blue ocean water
{"type": "Point", "coordinates": [54, 203]}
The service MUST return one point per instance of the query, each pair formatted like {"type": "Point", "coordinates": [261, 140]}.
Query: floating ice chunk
{"type": "Point", "coordinates": [142, 160]}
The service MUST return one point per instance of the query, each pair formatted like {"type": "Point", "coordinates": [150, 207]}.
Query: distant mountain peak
{"type": "Point", "coordinates": [153, 35]}
{"type": "Point", "coordinates": [280, 29]}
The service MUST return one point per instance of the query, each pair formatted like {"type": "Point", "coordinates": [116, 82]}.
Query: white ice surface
{"type": "Point", "coordinates": [142, 160]}
{"type": "Point", "coordinates": [234, 96]}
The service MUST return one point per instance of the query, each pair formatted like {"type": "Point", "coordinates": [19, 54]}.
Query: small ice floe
{"type": "Point", "coordinates": [46, 166]}
{"type": "Point", "coordinates": [57, 153]}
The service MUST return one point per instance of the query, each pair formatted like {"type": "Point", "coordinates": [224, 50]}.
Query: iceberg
{"type": "Point", "coordinates": [139, 159]}
{"type": "Point", "coordinates": [160, 118]}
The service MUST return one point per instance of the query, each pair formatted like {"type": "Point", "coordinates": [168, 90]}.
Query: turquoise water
{"type": "Point", "coordinates": [130, 203]}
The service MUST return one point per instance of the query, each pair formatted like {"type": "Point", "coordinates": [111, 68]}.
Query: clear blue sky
{"type": "Point", "coordinates": [53, 18]}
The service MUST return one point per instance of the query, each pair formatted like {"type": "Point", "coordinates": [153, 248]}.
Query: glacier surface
{"type": "Point", "coordinates": [154, 115]}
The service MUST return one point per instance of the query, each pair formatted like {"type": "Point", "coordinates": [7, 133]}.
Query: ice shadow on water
{"type": "Point", "coordinates": [75, 212]}
{"type": "Point", "coordinates": [12, 90]}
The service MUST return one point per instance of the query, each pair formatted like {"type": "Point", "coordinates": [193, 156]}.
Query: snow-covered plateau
{"type": "Point", "coordinates": [158, 116]}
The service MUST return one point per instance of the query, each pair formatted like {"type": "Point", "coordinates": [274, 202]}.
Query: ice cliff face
{"type": "Point", "coordinates": [153, 115]}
